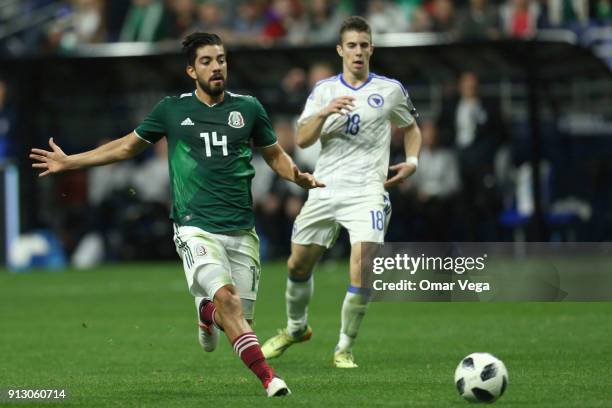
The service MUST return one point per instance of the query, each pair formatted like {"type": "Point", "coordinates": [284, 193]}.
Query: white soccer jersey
{"type": "Point", "coordinates": [354, 157]}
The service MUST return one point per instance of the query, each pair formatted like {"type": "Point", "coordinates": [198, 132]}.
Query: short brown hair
{"type": "Point", "coordinates": [354, 23]}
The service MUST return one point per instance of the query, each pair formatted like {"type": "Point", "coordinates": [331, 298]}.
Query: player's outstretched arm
{"type": "Point", "coordinates": [308, 133]}
{"type": "Point", "coordinates": [284, 166]}
{"type": "Point", "coordinates": [412, 148]}
{"type": "Point", "coordinates": [56, 161]}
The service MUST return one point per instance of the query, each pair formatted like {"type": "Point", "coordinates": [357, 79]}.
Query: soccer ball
{"type": "Point", "coordinates": [481, 377]}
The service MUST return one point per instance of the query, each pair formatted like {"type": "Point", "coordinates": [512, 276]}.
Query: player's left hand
{"type": "Point", "coordinates": [305, 180]}
{"type": "Point", "coordinates": [404, 170]}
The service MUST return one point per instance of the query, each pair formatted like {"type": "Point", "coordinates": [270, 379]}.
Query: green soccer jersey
{"type": "Point", "coordinates": [209, 156]}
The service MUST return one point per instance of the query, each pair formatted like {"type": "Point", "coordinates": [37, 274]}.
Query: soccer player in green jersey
{"type": "Point", "coordinates": [209, 133]}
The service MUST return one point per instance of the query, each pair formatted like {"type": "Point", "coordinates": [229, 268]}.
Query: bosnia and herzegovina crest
{"type": "Point", "coordinates": [376, 101]}
{"type": "Point", "coordinates": [235, 120]}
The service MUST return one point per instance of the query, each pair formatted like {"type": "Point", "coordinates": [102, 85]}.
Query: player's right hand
{"type": "Point", "coordinates": [305, 180]}
{"type": "Point", "coordinates": [53, 161]}
{"type": "Point", "coordinates": [341, 105]}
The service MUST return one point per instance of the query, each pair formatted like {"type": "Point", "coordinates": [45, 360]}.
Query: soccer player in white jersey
{"type": "Point", "coordinates": [351, 114]}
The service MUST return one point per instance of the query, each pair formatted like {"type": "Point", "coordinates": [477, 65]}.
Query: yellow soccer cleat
{"type": "Point", "coordinates": [276, 346]}
{"type": "Point", "coordinates": [344, 359]}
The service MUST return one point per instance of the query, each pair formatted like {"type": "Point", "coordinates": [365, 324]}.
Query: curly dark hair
{"type": "Point", "coordinates": [193, 41]}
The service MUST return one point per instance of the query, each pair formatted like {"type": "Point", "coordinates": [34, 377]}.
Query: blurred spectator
{"type": "Point", "coordinates": [519, 18]}
{"type": "Point", "coordinates": [442, 14]}
{"type": "Point", "coordinates": [308, 157]}
{"type": "Point", "coordinates": [179, 18]}
{"type": "Point", "coordinates": [277, 202]}
{"type": "Point", "coordinates": [325, 22]}
{"type": "Point", "coordinates": [275, 20]}
{"type": "Point", "coordinates": [82, 22]}
{"type": "Point", "coordinates": [103, 182]}
{"type": "Point", "coordinates": [7, 123]}
{"type": "Point", "coordinates": [297, 23]}
{"type": "Point", "coordinates": [291, 95]}
{"type": "Point", "coordinates": [564, 13]}
{"type": "Point", "coordinates": [9, 10]}
{"type": "Point", "coordinates": [129, 208]}
{"type": "Point", "coordinates": [386, 16]}
{"type": "Point", "coordinates": [420, 20]}
{"type": "Point", "coordinates": [262, 182]}
{"type": "Point", "coordinates": [411, 10]}
{"type": "Point", "coordinates": [102, 238]}
{"type": "Point", "coordinates": [293, 197]}
{"type": "Point", "coordinates": [294, 90]}
{"type": "Point", "coordinates": [436, 183]}
{"type": "Point", "coordinates": [478, 21]}
{"type": "Point", "coordinates": [249, 24]}
{"type": "Point", "coordinates": [402, 227]}
{"type": "Point", "coordinates": [602, 10]}
{"type": "Point", "coordinates": [210, 18]}
{"type": "Point", "coordinates": [143, 22]}
{"type": "Point", "coordinates": [151, 180]}
{"type": "Point", "coordinates": [294, 22]}
{"type": "Point", "coordinates": [318, 72]}
{"type": "Point", "coordinates": [115, 16]}
{"type": "Point", "coordinates": [474, 126]}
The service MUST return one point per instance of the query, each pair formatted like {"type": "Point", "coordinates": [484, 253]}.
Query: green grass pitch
{"type": "Point", "coordinates": [125, 336]}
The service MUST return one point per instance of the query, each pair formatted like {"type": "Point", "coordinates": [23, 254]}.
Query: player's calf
{"type": "Point", "coordinates": [227, 313]}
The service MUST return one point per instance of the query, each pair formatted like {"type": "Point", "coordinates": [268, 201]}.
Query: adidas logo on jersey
{"type": "Point", "coordinates": [187, 122]}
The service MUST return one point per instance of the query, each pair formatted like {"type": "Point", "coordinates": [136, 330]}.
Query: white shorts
{"type": "Point", "coordinates": [365, 218]}
{"type": "Point", "coordinates": [229, 259]}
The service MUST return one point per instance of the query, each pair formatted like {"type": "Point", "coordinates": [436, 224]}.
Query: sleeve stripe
{"type": "Point", "coordinates": [265, 147]}
{"type": "Point", "coordinates": [407, 124]}
{"type": "Point", "coordinates": [395, 81]}
{"type": "Point", "coordinates": [140, 137]}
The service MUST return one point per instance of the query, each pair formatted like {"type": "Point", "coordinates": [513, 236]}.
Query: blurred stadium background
{"type": "Point", "coordinates": [530, 160]}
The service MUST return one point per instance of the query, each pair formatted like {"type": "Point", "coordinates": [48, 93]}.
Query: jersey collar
{"type": "Point", "coordinates": [360, 86]}
{"type": "Point", "coordinates": [207, 105]}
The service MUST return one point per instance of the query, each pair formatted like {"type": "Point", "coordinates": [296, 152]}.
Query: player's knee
{"type": "Point", "coordinates": [298, 269]}
{"type": "Point", "coordinates": [228, 302]}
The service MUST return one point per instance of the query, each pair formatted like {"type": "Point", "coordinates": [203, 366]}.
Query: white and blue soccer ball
{"type": "Point", "coordinates": [481, 377]}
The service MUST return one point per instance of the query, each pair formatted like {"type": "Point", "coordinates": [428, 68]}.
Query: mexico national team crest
{"type": "Point", "coordinates": [376, 101]}
{"type": "Point", "coordinates": [235, 120]}
{"type": "Point", "coordinates": [200, 250]}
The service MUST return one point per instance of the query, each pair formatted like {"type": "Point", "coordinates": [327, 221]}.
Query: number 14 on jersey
{"type": "Point", "coordinates": [216, 141]}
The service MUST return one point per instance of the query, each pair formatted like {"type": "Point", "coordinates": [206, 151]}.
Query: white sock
{"type": "Point", "coordinates": [298, 296]}
{"type": "Point", "coordinates": [353, 310]}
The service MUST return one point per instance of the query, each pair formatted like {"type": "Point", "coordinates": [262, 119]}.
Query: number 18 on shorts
{"type": "Point", "coordinates": [365, 218]}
